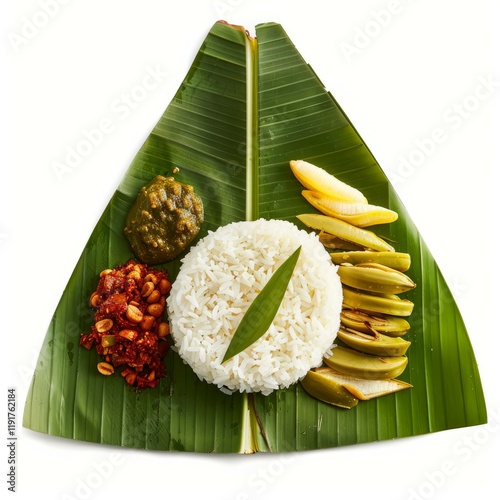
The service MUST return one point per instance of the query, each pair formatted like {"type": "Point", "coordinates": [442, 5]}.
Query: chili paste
{"type": "Point", "coordinates": [129, 329]}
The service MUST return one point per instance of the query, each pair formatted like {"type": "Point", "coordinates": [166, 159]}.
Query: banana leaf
{"type": "Point", "coordinates": [244, 110]}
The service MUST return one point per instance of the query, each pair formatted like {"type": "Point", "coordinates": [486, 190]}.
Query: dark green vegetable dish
{"type": "Point", "coordinates": [165, 218]}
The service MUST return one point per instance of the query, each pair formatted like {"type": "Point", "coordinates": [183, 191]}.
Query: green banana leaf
{"type": "Point", "coordinates": [243, 111]}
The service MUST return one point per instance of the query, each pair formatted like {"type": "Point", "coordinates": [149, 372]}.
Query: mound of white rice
{"type": "Point", "coordinates": [218, 281]}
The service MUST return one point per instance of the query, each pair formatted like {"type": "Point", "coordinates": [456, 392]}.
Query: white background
{"type": "Point", "coordinates": [400, 70]}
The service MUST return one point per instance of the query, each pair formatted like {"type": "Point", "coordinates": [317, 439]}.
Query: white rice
{"type": "Point", "coordinates": [218, 281]}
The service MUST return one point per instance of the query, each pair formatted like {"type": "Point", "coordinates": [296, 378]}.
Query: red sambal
{"type": "Point", "coordinates": [129, 329]}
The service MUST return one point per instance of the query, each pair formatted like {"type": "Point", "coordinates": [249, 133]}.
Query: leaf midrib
{"type": "Point", "coordinates": [252, 146]}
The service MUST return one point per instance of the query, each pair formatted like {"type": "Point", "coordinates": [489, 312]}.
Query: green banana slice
{"type": "Point", "coordinates": [375, 278]}
{"type": "Point", "coordinates": [384, 304]}
{"type": "Point", "coordinates": [361, 388]}
{"type": "Point", "coordinates": [366, 366]}
{"type": "Point", "coordinates": [379, 345]}
{"type": "Point", "coordinates": [363, 322]}
{"type": "Point", "coordinates": [395, 260]}
{"type": "Point", "coordinates": [322, 386]}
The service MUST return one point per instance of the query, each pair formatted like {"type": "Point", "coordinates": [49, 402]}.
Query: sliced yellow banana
{"type": "Point", "coordinates": [378, 345]}
{"type": "Point", "coordinates": [357, 364]}
{"type": "Point", "coordinates": [318, 179]}
{"type": "Point", "coordinates": [356, 213]}
{"type": "Point", "coordinates": [345, 231]}
{"type": "Point", "coordinates": [395, 260]}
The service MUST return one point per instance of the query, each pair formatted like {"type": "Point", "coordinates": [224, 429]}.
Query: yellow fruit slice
{"type": "Point", "coordinates": [376, 303]}
{"type": "Point", "coordinates": [361, 388]}
{"type": "Point", "coordinates": [345, 231]}
{"type": "Point", "coordinates": [357, 364]}
{"type": "Point", "coordinates": [318, 179]}
{"type": "Point", "coordinates": [363, 322]}
{"type": "Point", "coordinates": [375, 278]}
{"type": "Point", "coordinates": [395, 260]}
{"type": "Point", "coordinates": [379, 345]}
{"type": "Point", "coordinates": [321, 386]}
{"type": "Point", "coordinates": [356, 213]}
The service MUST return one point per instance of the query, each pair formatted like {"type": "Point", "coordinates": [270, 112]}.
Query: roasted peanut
{"type": "Point", "coordinates": [151, 277]}
{"type": "Point", "coordinates": [155, 310]}
{"type": "Point", "coordinates": [104, 325]}
{"type": "Point", "coordinates": [134, 314]}
{"type": "Point", "coordinates": [105, 368]}
{"type": "Point", "coordinates": [147, 288]}
{"type": "Point", "coordinates": [104, 272]}
{"type": "Point", "coordinates": [153, 297]}
{"type": "Point", "coordinates": [164, 286]}
{"type": "Point", "coordinates": [95, 300]}
{"type": "Point", "coordinates": [147, 323]}
{"type": "Point", "coordinates": [163, 329]}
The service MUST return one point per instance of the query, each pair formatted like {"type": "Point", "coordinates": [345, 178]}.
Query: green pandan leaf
{"type": "Point", "coordinates": [262, 311]}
